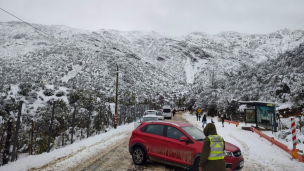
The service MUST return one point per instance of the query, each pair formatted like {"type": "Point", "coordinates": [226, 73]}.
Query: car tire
{"type": "Point", "coordinates": [139, 156]}
{"type": "Point", "coordinates": [196, 164]}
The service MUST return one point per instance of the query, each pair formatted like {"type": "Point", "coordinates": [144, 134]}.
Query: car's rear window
{"type": "Point", "coordinates": [167, 110]}
{"type": "Point", "coordinates": [194, 132]}
{"type": "Point", "coordinates": [150, 113]}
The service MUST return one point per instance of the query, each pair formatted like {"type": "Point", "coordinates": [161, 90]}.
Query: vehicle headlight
{"type": "Point", "coordinates": [228, 153]}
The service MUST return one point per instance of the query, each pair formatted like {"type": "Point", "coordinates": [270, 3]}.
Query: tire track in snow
{"type": "Point", "coordinates": [106, 159]}
{"type": "Point", "coordinates": [55, 164]}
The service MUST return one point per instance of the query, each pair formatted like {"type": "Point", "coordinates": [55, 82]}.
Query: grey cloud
{"type": "Point", "coordinates": [171, 17]}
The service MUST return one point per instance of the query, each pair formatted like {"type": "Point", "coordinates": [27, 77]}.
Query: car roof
{"type": "Point", "coordinates": [176, 123]}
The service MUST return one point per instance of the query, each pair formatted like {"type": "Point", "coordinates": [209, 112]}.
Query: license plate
{"type": "Point", "coordinates": [241, 163]}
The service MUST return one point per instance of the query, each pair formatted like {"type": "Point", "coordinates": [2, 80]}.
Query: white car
{"type": "Point", "coordinates": [146, 118]}
{"type": "Point", "coordinates": [159, 114]}
{"type": "Point", "coordinates": [150, 112]}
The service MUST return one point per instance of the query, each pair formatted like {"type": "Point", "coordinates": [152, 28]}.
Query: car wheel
{"type": "Point", "coordinates": [196, 164]}
{"type": "Point", "coordinates": [139, 157]}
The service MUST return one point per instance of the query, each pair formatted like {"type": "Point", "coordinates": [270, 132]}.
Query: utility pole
{"type": "Point", "coordinates": [150, 106]}
{"type": "Point", "coordinates": [212, 79]}
{"type": "Point", "coordinates": [116, 99]}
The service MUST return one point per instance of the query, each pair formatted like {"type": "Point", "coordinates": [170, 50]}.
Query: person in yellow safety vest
{"type": "Point", "coordinates": [212, 157]}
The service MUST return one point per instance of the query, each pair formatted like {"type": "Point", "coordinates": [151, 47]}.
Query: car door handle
{"type": "Point", "coordinates": [168, 142]}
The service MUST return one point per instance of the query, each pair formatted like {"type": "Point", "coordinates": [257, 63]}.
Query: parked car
{"type": "Point", "coordinates": [145, 119]}
{"type": "Point", "coordinates": [150, 112]}
{"type": "Point", "coordinates": [175, 143]}
{"type": "Point", "coordinates": [160, 115]}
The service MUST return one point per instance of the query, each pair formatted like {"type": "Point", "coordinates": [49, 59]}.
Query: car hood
{"type": "Point", "coordinates": [231, 147]}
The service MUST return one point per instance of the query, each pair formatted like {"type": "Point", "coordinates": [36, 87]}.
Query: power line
{"type": "Point", "coordinates": [297, 23]}
{"type": "Point", "coordinates": [44, 34]}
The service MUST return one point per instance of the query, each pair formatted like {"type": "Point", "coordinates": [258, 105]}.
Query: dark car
{"type": "Point", "coordinates": [175, 143]}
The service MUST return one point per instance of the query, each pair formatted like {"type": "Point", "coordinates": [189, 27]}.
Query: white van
{"type": "Point", "coordinates": [167, 112]}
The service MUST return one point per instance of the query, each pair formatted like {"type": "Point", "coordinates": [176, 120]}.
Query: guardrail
{"type": "Point", "coordinates": [236, 123]}
{"type": "Point", "coordinates": [294, 152]}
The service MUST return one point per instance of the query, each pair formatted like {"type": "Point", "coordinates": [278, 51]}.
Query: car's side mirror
{"type": "Point", "coordinates": [183, 139]}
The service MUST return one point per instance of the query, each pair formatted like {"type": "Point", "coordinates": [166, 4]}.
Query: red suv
{"type": "Point", "coordinates": [175, 143]}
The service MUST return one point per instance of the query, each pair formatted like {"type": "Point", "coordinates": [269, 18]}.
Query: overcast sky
{"type": "Point", "coordinates": [168, 17]}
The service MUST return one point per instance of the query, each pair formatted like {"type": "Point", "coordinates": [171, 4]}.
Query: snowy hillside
{"type": "Point", "coordinates": [212, 67]}
{"type": "Point", "coordinates": [151, 56]}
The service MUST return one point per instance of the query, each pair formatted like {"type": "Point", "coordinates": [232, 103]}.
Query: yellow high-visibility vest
{"type": "Point", "coordinates": [217, 147]}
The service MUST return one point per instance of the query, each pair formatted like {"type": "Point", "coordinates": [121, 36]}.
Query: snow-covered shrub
{"type": "Point", "coordinates": [25, 88]}
{"type": "Point", "coordinates": [73, 97]}
{"type": "Point", "coordinates": [56, 87]}
{"type": "Point", "coordinates": [283, 134]}
{"type": "Point", "coordinates": [60, 93]}
{"type": "Point", "coordinates": [300, 138]}
{"type": "Point", "coordinates": [25, 85]}
{"type": "Point", "coordinates": [48, 92]}
{"type": "Point", "coordinates": [36, 87]}
{"type": "Point", "coordinates": [32, 97]}
{"type": "Point", "coordinates": [41, 98]}
{"type": "Point", "coordinates": [42, 144]}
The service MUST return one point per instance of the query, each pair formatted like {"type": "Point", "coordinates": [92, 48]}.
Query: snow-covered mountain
{"type": "Point", "coordinates": [148, 61]}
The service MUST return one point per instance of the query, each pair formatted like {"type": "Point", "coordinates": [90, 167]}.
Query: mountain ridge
{"type": "Point", "coordinates": [225, 51]}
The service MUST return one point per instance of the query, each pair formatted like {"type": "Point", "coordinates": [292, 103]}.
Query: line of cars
{"type": "Point", "coordinates": [149, 115]}
{"type": "Point", "coordinates": [154, 115]}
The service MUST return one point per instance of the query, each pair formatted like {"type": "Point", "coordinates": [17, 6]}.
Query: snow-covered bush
{"type": "Point", "coordinates": [48, 92]}
{"type": "Point", "coordinates": [41, 98]}
{"type": "Point", "coordinates": [32, 97]}
{"type": "Point", "coordinates": [36, 87]}
{"type": "Point", "coordinates": [283, 134]}
{"type": "Point", "coordinates": [60, 93]}
{"type": "Point", "coordinates": [25, 88]}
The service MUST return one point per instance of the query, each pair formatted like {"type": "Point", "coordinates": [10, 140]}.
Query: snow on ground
{"type": "Point", "coordinates": [191, 69]}
{"type": "Point", "coordinates": [76, 69]}
{"type": "Point", "coordinates": [74, 154]}
{"type": "Point", "coordinates": [284, 106]}
{"type": "Point", "coordinates": [258, 153]}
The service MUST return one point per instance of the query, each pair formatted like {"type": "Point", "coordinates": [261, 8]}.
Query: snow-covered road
{"type": "Point", "coordinates": [109, 151]}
